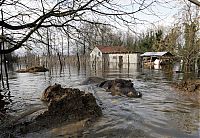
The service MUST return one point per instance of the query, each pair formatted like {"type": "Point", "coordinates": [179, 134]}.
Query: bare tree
{"type": "Point", "coordinates": [189, 50]}
{"type": "Point", "coordinates": [24, 18]}
{"type": "Point", "coordinates": [196, 2]}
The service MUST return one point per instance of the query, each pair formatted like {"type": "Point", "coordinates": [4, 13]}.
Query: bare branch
{"type": "Point", "coordinates": [2, 2]}
{"type": "Point", "coordinates": [196, 2]}
{"type": "Point", "coordinates": [29, 19]}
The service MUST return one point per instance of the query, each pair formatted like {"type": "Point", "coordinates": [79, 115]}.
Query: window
{"type": "Point", "coordinates": [99, 54]}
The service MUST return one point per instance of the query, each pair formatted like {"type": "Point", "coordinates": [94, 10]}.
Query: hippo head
{"type": "Point", "coordinates": [121, 87]}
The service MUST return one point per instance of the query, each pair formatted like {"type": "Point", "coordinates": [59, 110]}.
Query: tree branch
{"type": "Point", "coordinates": [196, 2]}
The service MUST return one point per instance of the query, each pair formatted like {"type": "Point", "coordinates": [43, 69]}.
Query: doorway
{"type": "Point", "coordinates": [120, 61]}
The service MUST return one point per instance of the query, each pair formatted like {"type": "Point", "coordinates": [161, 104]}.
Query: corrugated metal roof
{"type": "Point", "coordinates": [147, 54]}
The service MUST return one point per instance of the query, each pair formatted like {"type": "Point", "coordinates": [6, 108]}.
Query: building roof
{"type": "Point", "coordinates": [113, 49]}
{"type": "Point", "coordinates": [156, 54]}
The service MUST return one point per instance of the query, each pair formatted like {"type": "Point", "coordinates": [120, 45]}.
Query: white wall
{"type": "Point", "coordinates": [96, 53]}
{"type": "Point", "coordinates": [114, 58]}
{"type": "Point", "coordinates": [133, 58]}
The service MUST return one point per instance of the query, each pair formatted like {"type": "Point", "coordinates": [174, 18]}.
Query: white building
{"type": "Point", "coordinates": [114, 54]}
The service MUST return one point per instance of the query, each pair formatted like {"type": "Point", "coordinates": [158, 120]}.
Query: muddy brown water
{"type": "Point", "coordinates": [161, 112]}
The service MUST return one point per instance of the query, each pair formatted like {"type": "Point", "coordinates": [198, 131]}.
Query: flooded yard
{"type": "Point", "coordinates": [161, 112]}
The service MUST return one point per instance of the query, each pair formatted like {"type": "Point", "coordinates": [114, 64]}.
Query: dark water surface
{"type": "Point", "coordinates": [161, 112]}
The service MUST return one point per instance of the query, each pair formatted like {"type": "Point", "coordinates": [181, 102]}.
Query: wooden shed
{"type": "Point", "coordinates": [161, 57]}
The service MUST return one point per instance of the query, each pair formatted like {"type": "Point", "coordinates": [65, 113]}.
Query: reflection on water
{"type": "Point", "coordinates": [161, 112]}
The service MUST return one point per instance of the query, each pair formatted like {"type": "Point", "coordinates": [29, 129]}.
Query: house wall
{"type": "Point", "coordinates": [96, 53]}
{"type": "Point", "coordinates": [97, 56]}
{"type": "Point", "coordinates": [131, 58]}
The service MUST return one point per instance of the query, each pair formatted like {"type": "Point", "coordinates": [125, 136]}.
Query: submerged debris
{"type": "Point", "coordinates": [69, 104]}
{"type": "Point", "coordinates": [189, 85]}
{"type": "Point", "coordinates": [33, 69]}
{"type": "Point", "coordinates": [2, 106]}
{"type": "Point", "coordinates": [64, 105]}
{"type": "Point", "coordinates": [190, 89]}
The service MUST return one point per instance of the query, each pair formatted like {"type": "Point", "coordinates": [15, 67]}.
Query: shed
{"type": "Point", "coordinates": [156, 54]}
{"type": "Point", "coordinates": [165, 57]}
{"type": "Point", "coordinates": [114, 54]}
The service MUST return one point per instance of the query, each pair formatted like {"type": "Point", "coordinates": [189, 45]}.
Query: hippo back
{"type": "Point", "coordinates": [120, 87]}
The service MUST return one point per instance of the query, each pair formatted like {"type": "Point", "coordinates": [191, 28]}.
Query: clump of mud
{"type": "Point", "coordinates": [33, 69]}
{"type": "Point", "coordinates": [64, 105]}
{"type": "Point", "coordinates": [69, 104]}
{"type": "Point", "coordinates": [189, 85]}
{"type": "Point", "coordinates": [189, 88]}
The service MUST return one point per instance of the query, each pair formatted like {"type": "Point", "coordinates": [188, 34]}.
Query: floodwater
{"type": "Point", "coordinates": [161, 112]}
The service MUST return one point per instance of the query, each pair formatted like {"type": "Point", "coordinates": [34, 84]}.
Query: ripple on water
{"type": "Point", "coordinates": [159, 113]}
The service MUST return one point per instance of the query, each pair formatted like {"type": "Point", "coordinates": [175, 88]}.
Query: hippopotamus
{"type": "Point", "coordinates": [116, 86]}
